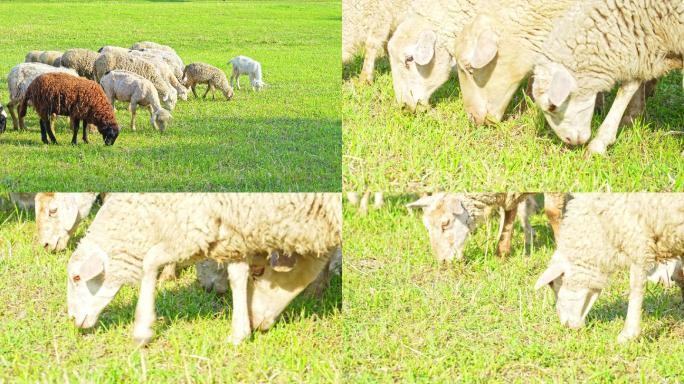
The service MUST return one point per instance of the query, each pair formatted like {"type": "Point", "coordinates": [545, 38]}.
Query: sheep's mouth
{"type": "Point", "coordinates": [109, 135]}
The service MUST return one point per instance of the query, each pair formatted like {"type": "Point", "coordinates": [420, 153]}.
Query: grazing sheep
{"type": "Point", "coordinates": [421, 49]}
{"type": "Point", "coordinates": [165, 71]}
{"type": "Point", "coordinates": [58, 215]}
{"type": "Point", "coordinates": [134, 235]}
{"type": "Point", "coordinates": [369, 24]}
{"type": "Point", "coordinates": [173, 60]}
{"type": "Point", "coordinates": [52, 58]}
{"type": "Point", "coordinates": [202, 73]}
{"type": "Point", "coordinates": [243, 65]}
{"type": "Point", "coordinates": [578, 61]}
{"type": "Point", "coordinates": [128, 86]}
{"type": "Point", "coordinates": [605, 232]}
{"type": "Point", "coordinates": [111, 60]}
{"type": "Point", "coordinates": [78, 98]}
{"type": "Point", "coordinates": [18, 81]}
{"type": "Point", "coordinates": [80, 60]}
{"type": "Point", "coordinates": [450, 218]}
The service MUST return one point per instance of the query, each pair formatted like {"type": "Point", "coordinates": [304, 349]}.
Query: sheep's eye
{"type": "Point", "coordinates": [53, 212]}
{"type": "Point", "coordinates": [76, 278]}
{"type": "Point", "coordinates": [552, 107]}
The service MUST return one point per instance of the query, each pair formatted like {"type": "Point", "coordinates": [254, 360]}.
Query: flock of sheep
{"type": "Point", "coordinates": [84, 84]}
{"type": "Point", "coordinates": [267, 247]}
{"type": "Point", "coordinates": [596, 235]}
{"type": "Point", "coordinates": [573, 51]}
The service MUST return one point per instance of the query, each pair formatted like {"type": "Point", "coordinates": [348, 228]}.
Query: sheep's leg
{"type": "Point", "coordinates": [168, 273]}
{"type": "Point", "coordinates": [379, 200]}
{"type": "Point", "coordinates": [608, 129]}
{"type": "Point", "coordinates": [238, 274]}
{"type": "Point", "coordinates": [85, 132]}
{"type": "Point", "coordinates": [49, 130]}
{"type": "Point", "coordinates": [363, 206]}
{"type": "Point", "coordinates": [504, 247]}
{"type": "Point", "coordinates": [53, 121]}
{"type": "Point", "coordinates": [43, 132]}
{"type": "Point", "coordinates": [193, 90]}
{"type": "Point", "coordinates": [13, 113]}
{"type": "Point", "coordinates": [353, 198]}
{"type": "Point", "coordinates": [144, 310]}
{"type": "Point", "coordinates": [207, 91]}
{"type": "Point", "coordinates": [637, 106]}
{"type": "Point", "coordinates": [553, 213]}
{"type": "Point", "coordinates": [637, 283]}
{"type": "Point", "coordinates": [237, 80]}
{"type": "Point", "coordinates": [74, 127]}
{"type": "Point", "coordinates": [133, 108]}
{"type": "Point", "coordinates": [372, 47]}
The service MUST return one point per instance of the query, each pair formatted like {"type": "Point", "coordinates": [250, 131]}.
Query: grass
{"type": "Point", "coordinates": [408, 320]}
{"type": "Point", "coordinates": [39, 344]}
{"type": "Point", "coordinates": [286, 138]}
{"type": "Point", "coordinates": [388, 149]}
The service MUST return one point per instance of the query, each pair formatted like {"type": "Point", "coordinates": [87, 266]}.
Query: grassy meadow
{"type": "Point", "coordinates": [285, 138]}
{"type": "Point", "coordinates": [406, 319]}
{"type": "Point", "coordinates": [38, 343]}
{"type": "Point", "coordinates": [386, 148]}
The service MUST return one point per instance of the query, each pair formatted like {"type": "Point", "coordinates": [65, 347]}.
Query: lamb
{"type": "Point", "coordinates": [52, 58]}
{"type": "Point", "coordinates": [110, 61]}
{"type": "Point", "coordinates": [578, 62]}
{"type": "Point", "coordinates": [164, 70]}
{"type": "Point", "coordinates": [243, 65]}
{"type": "Point", "coordinates": [58, 215]}
{"type": "Point", "coordinates": [603, 233]}
{"type": "Point", "coordinates": [369, 23]}
{"type": "Point", "coordinates": [19, 79]}
{"type": "Point", "coordinates": [421, 50]}
{"type": "Point", "coordinates": [80, 60]}
{"type": "Point", "coordinates": [202, 73]}
{"type": "Point", "coordinates": [76, 97]}
{"type": "Point", "coordinates": [134, 235]}
{"type": "Point", "coordinates": [128, 86]}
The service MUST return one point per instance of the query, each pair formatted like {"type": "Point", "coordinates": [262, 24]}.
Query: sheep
{"type": "Point", "coordinates": [80, 60]}
{"type": "Point", "coordinates": [111, 60]}
{"type": "Point", "coordinates": [243, 65]}
{"type": "Point", "coordinates": [577, 62]}
{"type": "Point", "coordinates": [450, 218]}
{"type": "Point", "coordinates": [151, 45]}
{"type": "Point", "coordinates": [202, 73]}
{"type": "Point", "coordinates": [165, 71]}
{"type": "Point", "coordinates": [135, 234]}
{"type": "Point", "coordinates": [78, 98]}
{"type": "Point", "coordinates": [32, 57]}
{"type": "Point", "coordinates": [58, 215]}
{"type": "Point", "coordinates": [421, 50]}
{"type": "Point", "coordinates": [113, 49]}
{"type": "Point", "coordinates": [173, 60]}
{"type": "Point", "coordinates": [52, 58]}
{"type": "Point", "coordinates": [128, 86]}
{"type": "Point", "coordinates": [19, 79]}
{"type": "Point", "coordinates": [602, 233]}
{"type": "Point", "coordinates": [369, 23]}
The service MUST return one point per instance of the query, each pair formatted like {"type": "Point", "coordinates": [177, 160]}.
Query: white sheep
{"type": "Point", "coordinates": [134, 235]}
{"type": "Point", "coordinates": [152, 45]}
{"type": "Point", "coordinates": [451, 218]}
{"type": "Point", "coordinates": [243, 65]}
{"type": "Point", "coordinates": [602, 233]}
{"type": "Point", "coordinates": [165, 70]}
{"type": "Point", "coordinates": [52, 58]}
{"type": "Point", "coordinates": [421, 50]}
{"type": "Point", "coordinates": [578, 62]}
{"type": "Point", "coordinates": [171, 58]}
{"type": "Point", "coordinates": [135, 89]}
{"type": "Point", "coordinates": [369, 24]}
{"type": "Point", "coordinates": [80, 60]}
{"type": "Point", "coordinates": [58, 215]}
{"type": "Point", "coordinates": [19, 79]}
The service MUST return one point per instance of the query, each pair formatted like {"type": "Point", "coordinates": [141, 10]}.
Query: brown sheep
{"type": "Point", "coordinates": [80, 99]}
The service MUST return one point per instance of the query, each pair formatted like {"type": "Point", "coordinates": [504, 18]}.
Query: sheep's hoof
{"type": "Point", "coordinates": [627, 335]}
{"type": "Point", "coordinates": [597, 147]}
{"type": "Point", "coordinates": [142, 337]}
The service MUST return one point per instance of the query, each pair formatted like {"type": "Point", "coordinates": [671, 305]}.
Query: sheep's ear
{"type": "Point", "coordinates": [425, 47]}
{"type": "Point", "coordinates": [423, 202]}
{"type": "Point", "coordinates": [562, 84]}
{"type": "Point", "coordinates": [91, 267]}
{"type": "Point", "coordinates": [68, 213]}
{"type": "Point", "coordinates": [552, 273]}
{"type": "Point", "coordinates": [485, 49]}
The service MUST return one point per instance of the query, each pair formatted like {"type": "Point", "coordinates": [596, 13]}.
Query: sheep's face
{"type": "Point", "coordinates": [3, 119]}
{"type": "Point", "coordinates": [489, 72]}
{"type": "Point", "coordinates": [56, 219]}
{"type": "Point", "coordinates": [88, 288]}
{"type": "Point", "coordinates": [448, 225]}
{"type": "Point", "coordinates": [109, 133]}
{"type": "Point", "coordinates": [161, 119]}
{"type": "Point", "coordinates": [183, 93]}
{"type": "Point", "coordinates": [568, 113]}
{"type": "Point", "coordinates": [420, 65]}
{"type": "Point", "coordinates": [228, 93]}
{"type": "Point", "coordinates": [258, 84]}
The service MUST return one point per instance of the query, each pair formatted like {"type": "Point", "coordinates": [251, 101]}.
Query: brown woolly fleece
{"type": "Point", "coordinates": [67, 95]}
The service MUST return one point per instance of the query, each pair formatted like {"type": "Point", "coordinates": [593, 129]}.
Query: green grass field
{"type": "Point", "coordinates": [286, 138]}
{"type": "Point", "coordinates": [39, 344]}
{"type": "Point", "coordinates": [480, 320]}
{"type": "Point", "coordinates": [389, 149]}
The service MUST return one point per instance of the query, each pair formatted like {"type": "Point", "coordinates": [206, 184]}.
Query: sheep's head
{"type": "Point", "coordinates": [109, 133]}
{"type": "Point", "coordinates": [56, 219]}
{"type": "Point", "coordinates": [89, 288]}
{"type": "Point", "coordinates": [161, 119]}
{"type": "Point", "coordinates": [567, 112]}
{"type": "Point", "coordinates": [228, 92]}
{"type": "Point", "coordinates": [489, 72]}
{"type": "Point", "coordinates": [576, 289]}
{"type": "Point", "coordinates": [419, 64]}
{"type": "Point", "coordinates": [448, 224]}
{"type": "Point", "coordinates": [3, 119]}
{"type": "Point", "coordinates": [183, 93]}
{"type": "Point", "coordinates": [258, 84]}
